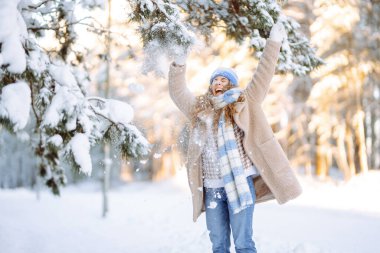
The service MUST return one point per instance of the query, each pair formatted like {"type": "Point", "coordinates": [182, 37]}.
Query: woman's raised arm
{"type": "Point", "coordinates": [260, 83]}
{"type": "Point", "coordinates": [179, 93]}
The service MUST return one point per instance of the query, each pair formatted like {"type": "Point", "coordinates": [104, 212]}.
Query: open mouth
{"type": "Point", "coordinates": [219, 91]}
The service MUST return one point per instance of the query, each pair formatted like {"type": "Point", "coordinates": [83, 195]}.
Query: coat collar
{"type": "Point", "coordinates": [239, 106]}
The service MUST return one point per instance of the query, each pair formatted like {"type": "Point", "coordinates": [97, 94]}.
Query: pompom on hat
{"type": "Point", "coordinates": [227, 73]}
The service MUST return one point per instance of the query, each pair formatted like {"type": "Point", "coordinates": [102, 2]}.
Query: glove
{"type": "Point", "coordinates": [278, 32]}
{"type": "Point", "coordinates": [180, 57]}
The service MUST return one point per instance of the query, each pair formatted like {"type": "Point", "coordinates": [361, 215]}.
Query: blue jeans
{"type": "Point", "coordinates": [220, 220]}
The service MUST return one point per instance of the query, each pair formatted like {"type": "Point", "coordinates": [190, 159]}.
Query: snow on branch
{"type": "Point", "coordinates": [118, 129]}
{"type": "Point", "coordinates": [15, 104]}
{"type": "Point", "coordinates": [163, 31]}
{"type": "Point", "coordinates": [80, 148]}
{"type": "Point", "coordinates": [12, 36]}
{"type": "Point", "coordinates": [66, 124]}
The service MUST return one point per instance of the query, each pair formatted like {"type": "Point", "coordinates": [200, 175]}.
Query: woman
{"type": "Point", "coordinates": [233, 159]}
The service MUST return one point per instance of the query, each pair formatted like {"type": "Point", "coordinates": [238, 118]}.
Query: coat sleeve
{"type": "Point", "coordinates": [258, 87]}
{"type": "Point", "coordinates": [179, 93]}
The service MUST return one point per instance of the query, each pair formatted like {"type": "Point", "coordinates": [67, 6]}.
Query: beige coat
{"type": "Point", "coordinates": [277, 179]}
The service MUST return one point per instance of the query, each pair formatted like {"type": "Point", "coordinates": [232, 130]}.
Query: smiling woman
{"type": "Point", "coordinates": [229, 168]}
{"type": "Point", "coordinates": [219, 85]}
{"type": "Point", "coordinates": [221, 78]}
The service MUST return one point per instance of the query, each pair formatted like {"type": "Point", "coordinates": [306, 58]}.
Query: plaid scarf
{"type": "Point", "coordinates": [232, 169]}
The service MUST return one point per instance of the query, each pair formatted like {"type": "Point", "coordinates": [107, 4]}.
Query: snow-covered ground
{"type": "Point", "coordinates": [156, 217]}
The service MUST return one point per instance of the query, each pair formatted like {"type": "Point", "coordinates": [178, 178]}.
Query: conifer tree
{"type": "Point", "coordinates": [48, 87]}
{"type": "Point", "coordinates": [163, 27]}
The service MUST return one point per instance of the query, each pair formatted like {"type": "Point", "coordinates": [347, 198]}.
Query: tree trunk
{"type": "Point", "coordinates": [350, 150]}
{"type": "Point", "coordinates": [360, 140]}
{"type": "Point", "coordinates": [321, 158]}
{"type": "Point", "coordinates": [106, 179]}
{"type": "Point", "coordinates": [341, 155]}
{"type": "Point", "coordinates": [106, 147]}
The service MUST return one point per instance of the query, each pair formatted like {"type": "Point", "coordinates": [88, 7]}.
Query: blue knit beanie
{"type": "Point", "coordinates": [227, 73]}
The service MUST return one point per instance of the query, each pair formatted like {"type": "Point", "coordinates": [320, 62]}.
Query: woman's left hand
{"type": "Point", "coordinates": [278, 32]}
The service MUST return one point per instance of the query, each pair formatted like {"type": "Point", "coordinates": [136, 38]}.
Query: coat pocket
{"type": "Point", "coordinates": [273, 154]}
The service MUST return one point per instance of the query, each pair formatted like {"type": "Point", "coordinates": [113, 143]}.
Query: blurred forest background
{"type": "Point", "coordinates": [328, 122]}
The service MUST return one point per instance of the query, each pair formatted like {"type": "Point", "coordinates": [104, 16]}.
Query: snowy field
{"type": "Point", "coordinates": [156, 217]}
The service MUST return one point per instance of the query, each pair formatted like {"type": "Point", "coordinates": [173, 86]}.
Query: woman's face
{"type": "Point", "coordinates": [219, 85]}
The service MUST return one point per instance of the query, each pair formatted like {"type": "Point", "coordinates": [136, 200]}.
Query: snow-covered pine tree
{"type": "Point", "coordinates": [162, 29]}
{"type": "Point", "coordinates": [46, 85]}
{"type": "Point", "coordinates": [162, 32]}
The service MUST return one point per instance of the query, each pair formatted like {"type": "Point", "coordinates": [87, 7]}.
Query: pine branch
{"type": "Point", "coordinates": [253, 20]}
{"type": "Point", "coordinates": [7, 124]}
